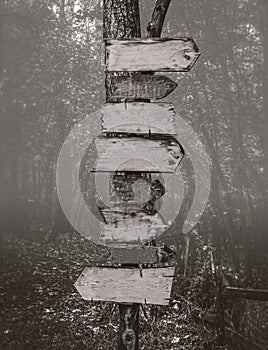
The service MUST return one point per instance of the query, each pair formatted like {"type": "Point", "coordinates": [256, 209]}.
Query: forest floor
{"type": "Point", "coordinates": [41, 309]}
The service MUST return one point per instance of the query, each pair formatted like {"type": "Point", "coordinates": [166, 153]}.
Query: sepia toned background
{"type": "Point", "coordinates": [52, 77]}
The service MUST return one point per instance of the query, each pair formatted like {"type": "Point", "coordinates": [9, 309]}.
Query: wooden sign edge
{"type": "Point", "coordinates": [164, 301]}
{"type": "Point", "coordinates": [116, 95]}
{"type": "Point", "coordinates": [101, 169]}
{"type": "Point", "coordinates": [168, 106]}
{"type": "Point", "coordinates": [108, 42]}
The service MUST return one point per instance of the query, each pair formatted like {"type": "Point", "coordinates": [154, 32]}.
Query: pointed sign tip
{"type": "Point", "coordinates": [142, 86]}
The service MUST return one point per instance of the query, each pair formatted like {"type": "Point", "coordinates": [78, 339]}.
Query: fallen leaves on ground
{"type": "Point", "coordinates": [40, 308]}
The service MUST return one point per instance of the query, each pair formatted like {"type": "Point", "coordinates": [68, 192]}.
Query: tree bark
{"type": "Point", "coordinates": [155, 26]}
{"type": "Point", "coordinates": [60, 222]}
{"type": "Point", "coordinates": [253, 294]}
{"type": "Point", "coordinates": [264, 128]}
{"type": "Point", "coordinates": [121, 20]}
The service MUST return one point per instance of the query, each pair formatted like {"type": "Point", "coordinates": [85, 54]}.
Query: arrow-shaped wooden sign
{"type": "Point", "coordinates": [141, 86]}
{"type": "Point", "coordinates": [155, 54]}
{"type": "Point", "coordinates": [135, 255]}
{"type": "Point", "coordinates": [149, 286]}
{"type": "Point", "coordinates": [130, 229]}
{"type": "Point", "coordinates": [144, 254]}
{"type": "Point", "coordinates": [137, 154]}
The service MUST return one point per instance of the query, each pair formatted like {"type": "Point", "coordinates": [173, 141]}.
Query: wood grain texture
{"type": "Point", "coordinates": [154, 27]}
{"type": "Point", "coordinates": [126, 285]}
{"type": "Point", "coordinates": [154, 54]}
{"type": "Point", "coordinates": [141, 87]}
{"type": "Point", "coordinates": [131, 229]}
{"type": "Point", "coordinates": [137, 154]}
{"type": "Point", "coordinates": [139, 118]}
{"type": "Point", "coordinates": [135, 255]}
{"type": "Point", "coordinates": [253, 294]}
{"type": "Point", "coordinates": [130, 206]}
{"type": "Point", "coordinates": [121, 19]}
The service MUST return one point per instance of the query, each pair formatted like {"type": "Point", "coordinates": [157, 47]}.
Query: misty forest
{"type": "Point", "coordinates": [53, 77]}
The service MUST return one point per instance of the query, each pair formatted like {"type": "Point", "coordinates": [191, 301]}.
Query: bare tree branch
{"type": "Point", "coordinates": [155, 26]}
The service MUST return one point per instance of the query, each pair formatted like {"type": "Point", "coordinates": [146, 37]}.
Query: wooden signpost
{"type": "Point", "coordinates": [131, 230]}
{"type": "Point", "coordinates": [139, 118]}
{"type": "Point", "coordinates": [141, 87]}
{"type": "Point", "coordinates": [119, 285]}
{"type": "Point", "coordinates": [137, 154]}
{"type": "Point", "coordinates": [137, 140]}
{"type": "Point", "coordinates": [134, 256]}
{"type": "Point", "coordinates": [154, 54]}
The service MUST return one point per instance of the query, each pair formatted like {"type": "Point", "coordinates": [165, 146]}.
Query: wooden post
{"type": "Point", "coordinates": [121, 20]}
{"type": "Point", "coordinates": [145, 131]}
{"type": "Point", "coordinates": [219, 296]}
{"type": "Point", "coordinates": [128, 326]}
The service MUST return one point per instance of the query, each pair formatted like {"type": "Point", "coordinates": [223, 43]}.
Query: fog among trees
{"type": "Point", "coordinates": [52, 77]}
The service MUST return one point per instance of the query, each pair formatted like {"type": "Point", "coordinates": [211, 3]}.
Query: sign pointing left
{"type": "Point", "coordinates": [153, 286]}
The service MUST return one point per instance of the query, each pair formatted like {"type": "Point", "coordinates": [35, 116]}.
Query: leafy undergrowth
{"type": "Point", "coordinates": [40, 308]}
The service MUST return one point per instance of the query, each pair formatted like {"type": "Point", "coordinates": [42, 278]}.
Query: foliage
{"type": "Point", "coordinates": [51, 78]}
{"type": "Point", "coordinates": [41, 309]}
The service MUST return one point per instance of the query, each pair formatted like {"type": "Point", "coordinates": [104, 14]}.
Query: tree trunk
{"type": "Point", "coordinates": [264, 129]}
{"type": "Point", "coordinates": [121, 20]}
{"type": "Point", "coordinates": [10, 170]}
{"type": "Point", "coordinates": [60, 222]}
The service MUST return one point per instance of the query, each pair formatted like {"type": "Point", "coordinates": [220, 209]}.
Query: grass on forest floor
{"type": "Point", "coordinates": [40, 308]}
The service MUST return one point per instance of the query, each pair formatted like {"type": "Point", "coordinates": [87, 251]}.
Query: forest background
{"type": "Point", "coordinates": [52, 76]}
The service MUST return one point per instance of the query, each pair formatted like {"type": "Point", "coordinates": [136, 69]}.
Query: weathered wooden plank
{"type": "Point", "coordinates": [141, 87]}
{"type": "Point", "coordinates": [135, 256]}
{"type": "Point", "coordinates": [139, 118]}
{"type": "Point", "coordinates": [145, 255]}
{"type": "Point", "coordinates": [131, 229]}
{"type": "Point", "coordinates": [149, 286]}
{"type": "Point", "coordinates": [154, 54]}
{"type": "Point", "coordinates": [253, 294]}
{"type": "Point", "coordinates": [122, 206]}
{"type": "Point", "coordinates": [137, 154]}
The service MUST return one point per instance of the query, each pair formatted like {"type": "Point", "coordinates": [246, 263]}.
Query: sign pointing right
{"type": "Point", "coordinates": [142, 86]}
{"type": "Point", "coordinates": [154, 54]}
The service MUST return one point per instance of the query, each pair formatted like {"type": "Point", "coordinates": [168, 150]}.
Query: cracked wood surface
{"type": "Point", "coordinates": [139, 118]}
{"type": "Point", "coordinates": [141, 86]}
{"type": "Point", "coordinates": [150, 286]}
{"type": "Point", "coordinates": [135, 255]}
{"type": "Point", "coordinates": [153, 54]}
{"type": "Point", "coordinates": [137, 155]}
{"type": "Point", "coordinates": [130, 229]}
